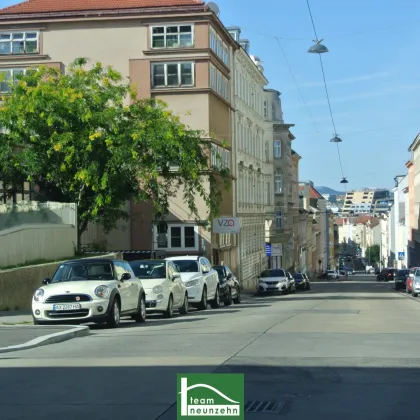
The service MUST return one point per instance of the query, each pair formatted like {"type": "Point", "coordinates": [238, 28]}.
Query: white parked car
{"type": "Point", "coordinates": [332, 274]}
{"type": "Point", "coordinates": [90, 290]}
{"type": "Point", "coordinates": [274, 280]}
{"type": "Point", "coordinates": [201, 280]}
{"type": "Point", "coordinates": [165, 291]}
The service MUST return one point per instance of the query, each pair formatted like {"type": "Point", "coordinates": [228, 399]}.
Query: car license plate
{"type": "Point", "coordinates": [67, 307]}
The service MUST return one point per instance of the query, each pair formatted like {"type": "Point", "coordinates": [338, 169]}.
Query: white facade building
{"type": "Point", "coordinates": [397, 226]}
{"type": "Point", "coordinates": [253, 170]}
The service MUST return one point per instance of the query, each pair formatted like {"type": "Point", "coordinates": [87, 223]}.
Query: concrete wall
{"type": "Point", "coordinates": [18, 285]}
{"type": "Point", "coordinates": [26, 243]}
{"type": "Point", "coordinates": [31, 231]}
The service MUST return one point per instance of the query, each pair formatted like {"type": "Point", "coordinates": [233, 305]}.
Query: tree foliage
{"type": "Point", "coordinates": [372, 254]}
{"type": "Point", "coordinates": [83, 137]}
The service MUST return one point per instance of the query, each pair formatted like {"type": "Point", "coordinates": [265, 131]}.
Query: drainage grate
{"type": "Point", "coordinates": [271, 407]}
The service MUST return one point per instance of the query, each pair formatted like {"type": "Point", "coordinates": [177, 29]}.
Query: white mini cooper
{"type": "Point", "coordinates": [90, 290]}
{"type": "Point", "coordinates": [165, 291]}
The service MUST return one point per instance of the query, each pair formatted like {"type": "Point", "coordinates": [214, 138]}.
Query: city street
{"type": "Point", "coordinates": [344, 350]}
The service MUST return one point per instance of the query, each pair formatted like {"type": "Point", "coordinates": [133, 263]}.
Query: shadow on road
{"type": "Point", "coordinates": [303, 392]}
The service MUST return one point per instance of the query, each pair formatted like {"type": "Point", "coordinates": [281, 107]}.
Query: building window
{"type": "Point", "coordinates": [279, 220]}
{"type": "Point", "coordinates": [19, 43]}
{"type": "Point", "coordinates": [219, 47]}
{"type": "Point", "coordinates": [278, 182]}
{"type": "Point", "coordinates": [172, 74]}
{"type": "Point", "coordinates": [172, 36]}
{"type": "Point", "coordinates": [277, 149]}
{"type": "Point", "coordinates": [177, 237]}
{"type": "Point", "coordinates": [220, 158]}
{"type": "Point", "coordinates": [219, 83]}
{"type": "Point", "coordinates": [9, 75]}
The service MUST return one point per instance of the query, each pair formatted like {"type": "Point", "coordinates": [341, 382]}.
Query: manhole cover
{"type": "Point", "coordinates": [269, 407]}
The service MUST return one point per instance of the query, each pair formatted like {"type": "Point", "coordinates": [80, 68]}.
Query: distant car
{"type": "Point", "coordinates": [332, 274]}
{"type": "Point", "coordinates": [292, 282]}
{"type": "Point", "coordinates": [230, 289]}
{"type": "Point", "coordinates": [387, 274]}
{"type": "Point", "coordinates": [95, 290]}
{"type": "Point", "coordinates": [400, 279]}
{"type": "Point", "coordinates": [165, 291]}
{"type": "Point", "coordinates": [302, 281]}
{"type": "Point", "coordinates": [273, 280]}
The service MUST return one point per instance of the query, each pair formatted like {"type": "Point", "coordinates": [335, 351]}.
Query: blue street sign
{"type": "Point", "coordinates": [401, 255]}
{"type": "Point", "coordinates": [268, 250]}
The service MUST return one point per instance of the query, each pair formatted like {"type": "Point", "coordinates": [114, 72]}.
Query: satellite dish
{"type": "Point", "coordinates": [214, 8]}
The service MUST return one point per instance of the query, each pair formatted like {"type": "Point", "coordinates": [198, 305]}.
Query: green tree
{"type": "Point", "coordinates": [372, 255]}
{"type": "Point", "coordinates": [84, 137]}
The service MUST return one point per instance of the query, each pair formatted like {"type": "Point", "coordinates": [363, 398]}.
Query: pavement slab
{"type": "Point", "coordinates": [15, 335]}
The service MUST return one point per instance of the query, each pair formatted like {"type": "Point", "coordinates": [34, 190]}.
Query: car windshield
{"type": "Point", "coordinates": [273, 273]}
{"type": "Point", "coordinates": [330, 271]}
{"type": "Point", "coordinates": [83, 271]}
{"type": "Point", "coordinates": [149, 269]}
{"type": "Point", "coordinates": [403, 273]}
{"type": "Point", "coordinates": [187, 266]}
{"type": "Point", "coordinates": [220, 271]}
{"type": "Point", "coordinates": [298, 276]}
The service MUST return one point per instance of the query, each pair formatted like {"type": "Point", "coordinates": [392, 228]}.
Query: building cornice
{"type": "Point", "coordinates": [414, 144]}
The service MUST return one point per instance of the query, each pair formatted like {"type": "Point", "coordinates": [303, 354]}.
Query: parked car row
{"type": "Point", "coordinates": [281, 281]}
{"type": "Point", "coordinates": [408, 279]}
{"type": "Point", "coordinates": [103, 291]}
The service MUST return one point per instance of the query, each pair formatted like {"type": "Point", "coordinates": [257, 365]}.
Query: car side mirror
{"type": "Point", "coordinates": [47, 280]}
{"type": "Point", "coordinates": [175, 276]}
{"type": "Point", "coordinates": [205, 271]}
{"type": "Point", "coordinates": [229, 276]}
{"type": "Point", "coordinates": [125, 276]}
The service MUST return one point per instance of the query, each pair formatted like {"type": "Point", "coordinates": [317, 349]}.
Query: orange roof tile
{"type": "Point", "coordinates": [45, 6]}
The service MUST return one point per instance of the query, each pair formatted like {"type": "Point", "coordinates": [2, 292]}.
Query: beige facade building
{"type": "Point", "coordinates": [174, 50]}
{"type": "Point", "coordinates": [252, 167]}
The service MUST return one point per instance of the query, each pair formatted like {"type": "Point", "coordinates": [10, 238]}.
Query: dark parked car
{"type": "Point", "coordinates": [401, 278]}
{"type": "Point", "coordinates": [302, 281]}
{"type": "Point", "coordinates": [387, 274]}
{"type": "Point", "coordinates": [230, 289]}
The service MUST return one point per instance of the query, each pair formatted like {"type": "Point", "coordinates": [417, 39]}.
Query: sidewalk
{"type": "Point", "coordinates": [17, 332]}
{"type": "Point", "coordinates": [15, 317]}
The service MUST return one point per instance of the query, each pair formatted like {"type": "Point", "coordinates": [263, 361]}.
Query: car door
{"type": "Point", "coordinates": [176, 284]}
{"type": "Point", "coordinates": [134, 285]}
{"type": "Point", "coordinates": [123, 286]}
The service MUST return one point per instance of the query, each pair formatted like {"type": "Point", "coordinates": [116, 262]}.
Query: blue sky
{"type": "Point", "coordinates": [372, 75]}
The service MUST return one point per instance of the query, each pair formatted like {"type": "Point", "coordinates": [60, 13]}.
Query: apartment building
{"type": "Point", "coordinates": [280, 136]}
{"type": "Point", "coordinates": [367, 201]}
{"type": "Point", "coordinates": [252, 166]}
{"type": "Point", "coordinates": [174, 50]}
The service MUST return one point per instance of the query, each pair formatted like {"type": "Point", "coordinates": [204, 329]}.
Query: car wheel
{"type": "Point", "coordinates": [228, 300]}
{"type": "Point", "coordinates": [203, 303]}
{"type": "Point", "coordinates": [215, 303]}
{"type": "Point", "coordinates": [114, 317]}
{"type": "Point", "coordinates": [141, 315]}
{"type": "Point", "coordinates": [238, 295]}
{"type": "Point", "coordinates": [183, 310]}
{"type": "Point", "coordinates": [169, 313]}
{"type": "Point", "coordinates": [35, 321]}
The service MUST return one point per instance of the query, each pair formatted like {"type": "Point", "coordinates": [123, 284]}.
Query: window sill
{"type": "Point", "coordinates": [23, 57]}
{"type": "Point", "coordinates": [173, 50]}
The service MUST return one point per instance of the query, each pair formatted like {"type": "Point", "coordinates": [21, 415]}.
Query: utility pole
{"type": "Point", "coordinates": [327, 239]}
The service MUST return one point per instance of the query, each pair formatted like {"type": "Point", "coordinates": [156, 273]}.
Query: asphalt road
{"type": "Point", "coordinates": [20, 334]}
{"type": "Point", "coordinates": [344, 350]}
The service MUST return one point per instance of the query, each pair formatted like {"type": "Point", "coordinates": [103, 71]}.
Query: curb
{"type": "Point", "coordinates": [75, 331]}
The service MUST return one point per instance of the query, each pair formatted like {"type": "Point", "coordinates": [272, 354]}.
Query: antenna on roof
{"type": "Point", "coordinates": [214, 8]}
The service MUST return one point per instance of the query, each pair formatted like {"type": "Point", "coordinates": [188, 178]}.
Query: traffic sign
{"type": "Point", "coordinates": [401, 255]}
{"type": "Point", "coordinates": [268, 250]}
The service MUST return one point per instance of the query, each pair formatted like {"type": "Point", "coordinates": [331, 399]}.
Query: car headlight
{"type": "Point", "coordinates": [191, 283]}
{"type": "Point", "coordinates": [102, 291]}
{"type": "Point", "coordinates": [39, 293]}
{"type": "Point", "coordinates": [157, 289]}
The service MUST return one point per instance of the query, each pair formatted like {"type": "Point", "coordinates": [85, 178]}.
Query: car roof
{"type": "Point", "coordinates": [89, 260]}
{"type": "Point", "coordinates": [185, 257]}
